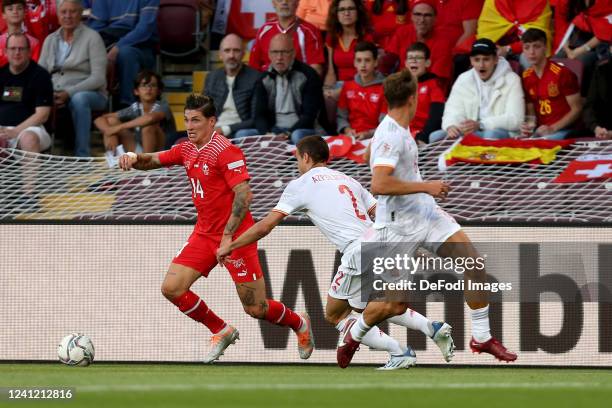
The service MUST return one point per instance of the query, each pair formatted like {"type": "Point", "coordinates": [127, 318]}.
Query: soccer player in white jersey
{"type": "Point", "coordinates": [407, 212]}
{"type": "Point", "coordinates": [339, 206]}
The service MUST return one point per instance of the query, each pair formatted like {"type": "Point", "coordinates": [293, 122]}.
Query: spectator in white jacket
{"type": "Point", "coordinates": [487, 100]}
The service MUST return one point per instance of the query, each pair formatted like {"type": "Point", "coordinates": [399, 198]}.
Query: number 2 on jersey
{"type": "Point", "coordinates": [346, 190]}
{"type": "Point", "coordinates": [196, 188]}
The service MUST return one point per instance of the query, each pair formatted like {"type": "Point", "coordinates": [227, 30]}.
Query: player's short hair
{"type": "Point", "coordinates": [367, 46]}
{"type": "Point", "coordinates": [398, 87]}
{"type": "Point", "coordinates": [316, 147]}
{"type": "Point", "coordinates": [202, 103]}
{"type": "Point", "coordinates": [6, 3]}
{"type": "Point", "coordinates": [532, 35]}
{"type": "Point", "coordinates": [420, 47]}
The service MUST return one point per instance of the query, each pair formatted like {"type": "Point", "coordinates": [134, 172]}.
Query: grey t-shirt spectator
{"type": "Point", "coordinates": [135, 110]}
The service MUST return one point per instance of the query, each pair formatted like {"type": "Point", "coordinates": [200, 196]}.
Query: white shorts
{"type": "Point", "coordinates": [43, 137]}
{"type": "Point", "coordinates": [440, 228]}
{"type": "Point", "coordinates": [346, 284]}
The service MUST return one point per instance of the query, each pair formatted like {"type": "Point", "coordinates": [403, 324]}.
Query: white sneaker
{"type": "Point", "coordinates": [443, 339]}
{"type": "Point", "coordinates": [406, 360]}
{"type": "Point", "coordinates": [220, 341]}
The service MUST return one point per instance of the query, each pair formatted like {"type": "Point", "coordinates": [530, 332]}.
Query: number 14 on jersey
{"type": "Point", "coordinates": [196, 188]}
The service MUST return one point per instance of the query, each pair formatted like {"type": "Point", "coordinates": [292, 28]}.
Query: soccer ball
{"type": "Point", "coordinates": [76, 349]}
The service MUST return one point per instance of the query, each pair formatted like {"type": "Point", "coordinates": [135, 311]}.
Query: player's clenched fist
{"type": "Point", "coordinates": [437, 188]}
{"type": "Point", "coordinates": [126, 161]}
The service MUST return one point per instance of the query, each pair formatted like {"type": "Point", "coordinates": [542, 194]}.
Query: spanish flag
{"type": "Point", "coordinates": [501, 17]}
{"type": "Point", "coordinates": [473, 149]}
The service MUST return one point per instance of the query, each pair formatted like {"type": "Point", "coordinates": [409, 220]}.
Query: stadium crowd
{"type": "Point", "coordinates": [497, 68]}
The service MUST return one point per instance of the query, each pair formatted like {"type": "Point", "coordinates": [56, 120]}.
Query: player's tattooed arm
{"type": "Point", "coordinates": [147, 161]}
{"type": "Point", "coordinates": [242, 200]}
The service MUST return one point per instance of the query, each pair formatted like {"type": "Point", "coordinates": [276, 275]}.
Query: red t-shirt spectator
{"type": "Point", "coordinates": [385, 23]}
{"type": "Point", "coordinates": [344, 59]}
{"type": "Point", "coordinates": [428, 91]}
{"type": "Point", "coordinates": [450, 15]}
{"type": "Point", "coordinates": [40, 19]}
{"type": "Point", "coordinates": [547, 94]}
{"type": "Point", "coordinates": [363, 105]}
{"type": "Point", "coordinates": [34, 47]}
{"type": "Point", "coordinates": [307, 43]}
{"type": "Point", "coordinates": [438, 43]}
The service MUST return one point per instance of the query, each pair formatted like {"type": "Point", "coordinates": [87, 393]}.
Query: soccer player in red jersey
{"type": "Point", "coordinates": [551, 89]}
{"type": "Point", "coordinates": [221, 194]}
{"type": "Point", "coordinates": [430, 96]}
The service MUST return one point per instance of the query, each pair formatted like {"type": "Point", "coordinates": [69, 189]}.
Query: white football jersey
{"type": "Point", "coordinates": [336, 203]}
{"type": "Point", "coordinates": [393, 146]}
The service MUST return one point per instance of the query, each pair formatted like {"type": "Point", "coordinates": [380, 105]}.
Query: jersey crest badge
{"type": "Point", "coordinates": [205, 169]}
{"type": "Point", "coordinates": [553, 90]}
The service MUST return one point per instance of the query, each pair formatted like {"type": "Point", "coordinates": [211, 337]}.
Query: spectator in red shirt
{"type": "Point", "coordinates": [386, 16]}
{"type": "Point", "coordinates": [551, 90]}
{"type": "Point", "coordinates": [362, 102]}
{"type": "Point", "coordinates": [307, 40]}
{"type": "Point", "coordinates": [430, 96]}
{"type": "Point", "coordinates": [422, 29]}
{"type": "Point", "coordinates": [347, 25]}
{"type": "Point", "coordinates": [13, 13]}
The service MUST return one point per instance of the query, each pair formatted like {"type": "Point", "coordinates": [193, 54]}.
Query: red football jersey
{"type": "Point", "coordinates": [385, 23]}
{"type": "Point", "coordinates": [547, 94]}
{"type": "Point", "coordinates": [213, 171]}
{"type": "Point", "coordinates": [307, 43]}
{"type": "Point", "coordinates": [428, 91]}
{"type": "Point", "coordinates": [439, 45]}
{"type": "Point", "coordinates": [365, 104]}
{"type": "Point", "coordinates": [344, 59]}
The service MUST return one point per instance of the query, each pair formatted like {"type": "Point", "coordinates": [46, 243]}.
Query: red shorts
{"type": "Point", "coordinates": [199, 253]}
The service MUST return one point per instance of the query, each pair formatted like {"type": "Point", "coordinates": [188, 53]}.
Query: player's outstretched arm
{"type": "Point", "coordinates": [385, 183]}
{"type": "Point", "coordinates": [242, 200]}
{"type": "Point", "coordinates": [142, 161]}
{"type": "Point", "coordinates": [253, 234]}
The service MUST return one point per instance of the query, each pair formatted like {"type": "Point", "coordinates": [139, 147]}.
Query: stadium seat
{"type": "Point", "coordinates": [178, 22]}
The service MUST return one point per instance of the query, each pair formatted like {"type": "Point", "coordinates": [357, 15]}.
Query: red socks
{"type": "Point", "coordinates": [281, 315]}
{"type": "Point", "coordinates": [190, 304]}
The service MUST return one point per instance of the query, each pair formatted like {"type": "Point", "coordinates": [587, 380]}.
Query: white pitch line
{"type": "Point", "coordinates": [348, 386]}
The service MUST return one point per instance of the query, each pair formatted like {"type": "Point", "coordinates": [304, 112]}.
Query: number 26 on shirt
{"type": "Point", "coordinates": [196, 188]}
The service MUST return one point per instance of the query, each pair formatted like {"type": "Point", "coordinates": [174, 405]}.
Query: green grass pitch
{"type": "Point", "coordinates": [222, 385]}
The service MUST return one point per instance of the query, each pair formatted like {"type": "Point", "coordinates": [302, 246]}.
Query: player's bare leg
{"type": "Point", "coordinates": [256, 304]}
{"type": "Point", "coordinates": [175, 288]}
{"type": "Point", "coordinates": [459, 246]}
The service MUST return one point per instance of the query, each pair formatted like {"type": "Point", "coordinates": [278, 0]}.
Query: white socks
{"type": "Point", "coordinates": [374, 337]}
{"type": "Point", "coordinates": [481, 331]}
{"type": "Point", "coordinates": [413, 320]}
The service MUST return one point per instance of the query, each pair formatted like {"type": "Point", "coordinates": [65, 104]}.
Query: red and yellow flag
{"type": "Point", "coordinates": [473, 149]}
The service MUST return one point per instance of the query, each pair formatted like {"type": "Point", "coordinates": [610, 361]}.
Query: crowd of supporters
{"type": "Point", "coordinates": [497, 68]}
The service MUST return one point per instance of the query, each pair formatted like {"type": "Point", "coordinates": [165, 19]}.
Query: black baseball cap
{"type": "Point", "coordinates": [483, 46]}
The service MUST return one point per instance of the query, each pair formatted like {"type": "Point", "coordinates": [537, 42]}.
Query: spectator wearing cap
{"type": "Point", "coordinates": [13, 13]}
{"type": "Point", "coordinates": [487, 100]}
{"type": "Point", "coordinates": [423, 29]}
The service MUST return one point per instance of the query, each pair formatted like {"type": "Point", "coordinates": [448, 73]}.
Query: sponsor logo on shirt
{"type": "Point", "coordinates": [374, 97]}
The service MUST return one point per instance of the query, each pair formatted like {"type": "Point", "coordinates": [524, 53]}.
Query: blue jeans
{"type": "Point", "coordinates": [485, 134]}
{"type": "Point", "coordinates": [245, 133]}
{"type": "Point", "coordinates": [295, 136]}
{"type": "Point", "coordinates": [559, 135]}
{"type": "Point", "coordinates": [81, 104]}
{"type": "Point", "coordinates": [130, 61]}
